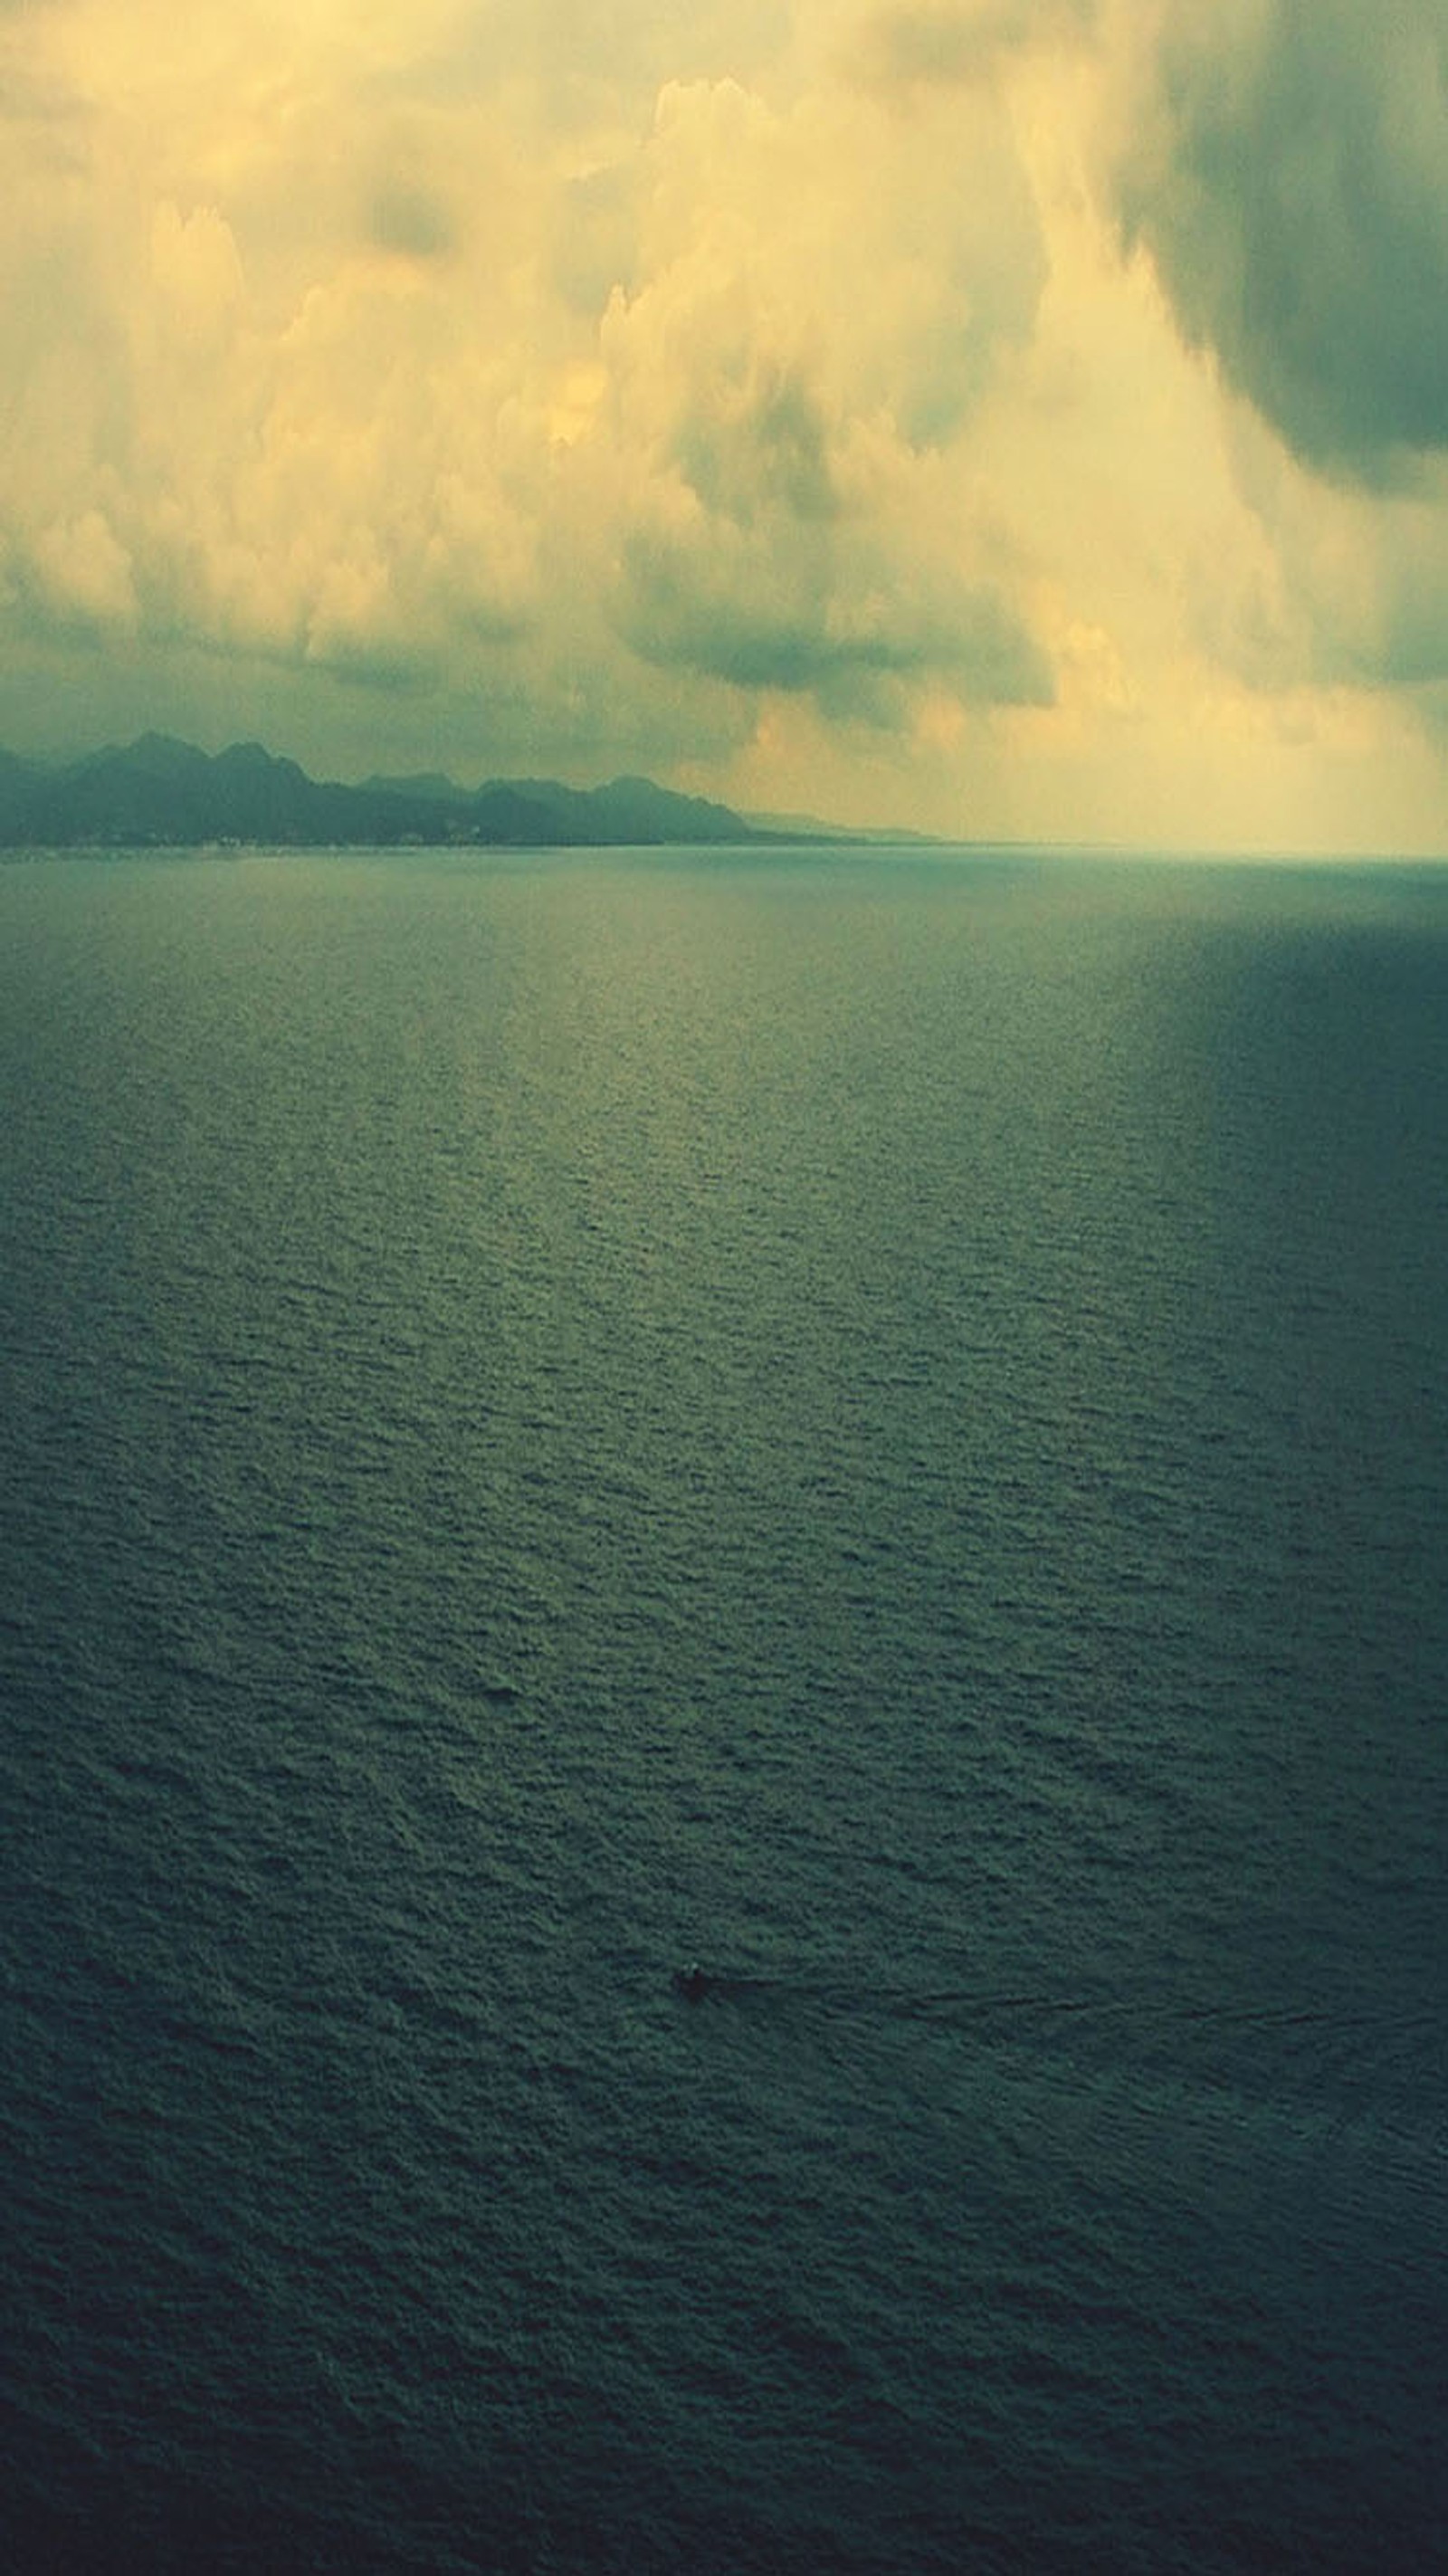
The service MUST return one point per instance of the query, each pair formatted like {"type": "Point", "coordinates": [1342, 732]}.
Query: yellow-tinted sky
{"type": "Point", "coordinates": [1017, 417]}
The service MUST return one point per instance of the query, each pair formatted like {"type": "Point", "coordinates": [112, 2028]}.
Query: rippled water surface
{"type": "Point", "coordinates": [877, 1422]}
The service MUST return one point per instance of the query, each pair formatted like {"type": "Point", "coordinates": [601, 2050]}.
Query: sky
{"type": "Point", "coordinates": [1001, 418]}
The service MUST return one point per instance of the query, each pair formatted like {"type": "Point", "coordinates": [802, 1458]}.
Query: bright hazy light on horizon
{"type": "Point", "coordinates": [1001, 417]}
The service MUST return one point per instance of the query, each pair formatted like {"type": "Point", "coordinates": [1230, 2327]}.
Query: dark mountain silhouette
{"type": "Point", "coordinates": [160, 793]}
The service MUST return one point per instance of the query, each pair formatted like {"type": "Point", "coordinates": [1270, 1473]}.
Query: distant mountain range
{"type": "Point", "coordinates": [159, 793]}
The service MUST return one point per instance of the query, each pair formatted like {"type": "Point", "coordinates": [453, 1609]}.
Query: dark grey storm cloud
{"type": "Point", "coordinates": [1288, 171]}
{"type": "Point", "coordinates": [792, 636]}
{"type": "Point", "coordinates": [412, 221]}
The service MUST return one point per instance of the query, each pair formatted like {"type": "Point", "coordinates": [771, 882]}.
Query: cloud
{"type": "Point", "coordinates": [779, 552]}
{"type": "Point", "coordinates": [944, 42]}
{"type": "Point", "coordinates": [740, 615]}
{"type": "Point", "coordinates": [410, 219]}
{"type": "Point", "coordinates": [471, 389]}
{"type": "Point", "coordinates": [81, 575]}
{"type": "Point", "coordinates": [1286, 170]}
{"type": "Point", "coordinates": [771, 393]}
{"type": "Point", "coordinates": [1283, 166]}
{"type": "Point", "coordinates": [1348, 584]}
{"type": "Point", "coordinates": [776, 393]}
{"type": "Point", "coordinates": [196, 270]}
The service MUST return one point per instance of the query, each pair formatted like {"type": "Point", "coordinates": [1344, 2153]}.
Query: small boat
{"type": "Point", "coordinates": [691, 1983]}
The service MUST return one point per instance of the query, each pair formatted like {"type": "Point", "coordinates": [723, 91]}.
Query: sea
{"type": "Point", "coordinates": [723, 1713]}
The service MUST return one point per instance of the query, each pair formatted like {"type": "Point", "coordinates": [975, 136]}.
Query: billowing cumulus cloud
{"type": "Point", "coordinates": [817, 402]}
{"type": "Point", "coordinates": [382, 441]}
{"type": "Point", "coordinates": [774, 417]}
